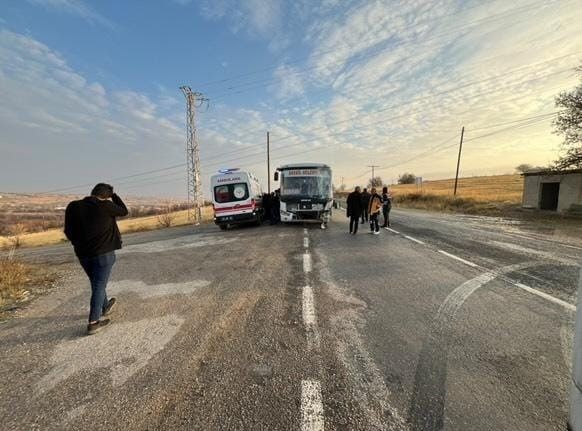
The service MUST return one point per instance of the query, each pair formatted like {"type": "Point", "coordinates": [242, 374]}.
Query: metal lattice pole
{"type": "Point", "coordinates": [195, 194]}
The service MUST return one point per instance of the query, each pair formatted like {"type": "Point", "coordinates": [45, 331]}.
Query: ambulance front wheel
{"type": "Point", "coordinates": [223, 226]}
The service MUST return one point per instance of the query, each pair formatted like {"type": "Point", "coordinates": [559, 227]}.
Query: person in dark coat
{"type": "Point", "coordinates": [276, 206]}
{"type": "Point", "coordinates": [354, 210]}
{"type": "Point", "coordinates": [386, 206]}
{"type": "Point", "coordinates": [267, 206]}
{"type": "Point", "coordinates": [91, 227]}
{"type": "Point", "coordinates": [365, 204]}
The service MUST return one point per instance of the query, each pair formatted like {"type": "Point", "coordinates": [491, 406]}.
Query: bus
{"type": "Point", "coordinates": [306, 193]}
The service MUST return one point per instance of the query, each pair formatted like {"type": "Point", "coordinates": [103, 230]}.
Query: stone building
{"type": "Point", "coordinates": [553, 190]}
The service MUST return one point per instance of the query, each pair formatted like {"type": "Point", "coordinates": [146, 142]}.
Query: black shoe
{"type": "Point", "coordinates": [109, 307]}
{"type": "Point", "coordinates": [93, 328]}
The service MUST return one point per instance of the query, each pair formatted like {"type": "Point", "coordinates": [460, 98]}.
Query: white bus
{"type": "Point", "coordinates": [306, 193]}
{"type": "Point", "coordinates": [237, 197]}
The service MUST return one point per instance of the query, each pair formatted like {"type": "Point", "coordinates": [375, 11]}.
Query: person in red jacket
{"type": "Point", "coordinates": [90, 225]}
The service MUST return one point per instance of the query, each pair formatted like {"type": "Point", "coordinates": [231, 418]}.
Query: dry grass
{"type": "Point", "coordinates": [491, 195]}
{"type": "Point", "coordinates": [492, 189]}
{"type": "Point", "coordinates": [13, 277]}
{"type": "Point", "coordinates": [55, 236]}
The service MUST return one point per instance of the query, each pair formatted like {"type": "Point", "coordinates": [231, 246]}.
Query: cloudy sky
{"type": "Point", "coordinates": [89, 89]}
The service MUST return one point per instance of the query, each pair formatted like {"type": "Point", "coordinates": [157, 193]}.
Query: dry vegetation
{"type": "Point", "coordinates": [475, 195]}
{"type": "Point", "coordinates": [55, 236]}
{"type": "Point", "coordinates": [18, 279]}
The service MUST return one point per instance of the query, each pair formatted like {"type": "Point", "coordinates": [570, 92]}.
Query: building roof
{"type": "Point", "coordinates": [551, 172]}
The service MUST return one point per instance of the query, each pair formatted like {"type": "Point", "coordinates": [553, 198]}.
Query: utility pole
{"type": "Point", "coordinates": [268, 165]}
{"type": "Point", "coordinates": [195, 194]}
{"type": "Point", "coordinates": [373, 167]}
{"type": "Point", "coordinates": [459, 160]}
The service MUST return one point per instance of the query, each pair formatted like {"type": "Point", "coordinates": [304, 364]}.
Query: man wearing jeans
{"type": "Point", "coordinates": [91, 227]}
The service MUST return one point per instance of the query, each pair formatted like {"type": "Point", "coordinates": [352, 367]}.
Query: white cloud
{"type": "Point", "coordinates": [289, 82]}
{"type": "Point", "coordinates": [75, 7]}
{"type": "Point", "coordinates": [256, 18]}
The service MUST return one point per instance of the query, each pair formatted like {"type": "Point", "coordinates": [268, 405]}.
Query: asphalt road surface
{"type": "Point", "coordinates": [444, 323]}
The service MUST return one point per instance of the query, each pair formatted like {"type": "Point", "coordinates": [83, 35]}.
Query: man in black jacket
{"type": "Point", "coordinates": [91, 227]}
{"type": "Point", "coordinates": [365, 203]}
{"type": "Point", "coordinates": [354, 210]}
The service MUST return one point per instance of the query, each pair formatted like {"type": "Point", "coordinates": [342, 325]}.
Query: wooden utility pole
{"type": "Point", "coordinates": [459, 160]}
{"type": "Point", "coordinates": [268, 165]}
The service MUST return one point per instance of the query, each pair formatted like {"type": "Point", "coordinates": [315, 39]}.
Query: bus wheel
{"type": "Point", "coordinates": [223, 226]}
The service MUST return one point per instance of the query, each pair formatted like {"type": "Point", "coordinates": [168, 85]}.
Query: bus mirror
{"type": "Point", "coordinates": [276, 176]}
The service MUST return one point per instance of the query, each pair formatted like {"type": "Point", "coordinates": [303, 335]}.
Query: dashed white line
{"type": "Point", "coordinates": [414, 239]}
{"type": "Point", "coordinates": [305, 231]}
{"type": "Point", "coordinates": [393, 231]}
{"type": "Point", "coordinates": [550, 298]}
{"type": "Point", "coordinates": [311, 406]}
{"type": "Point", "coordinates": [306, 242]}
{"type": "Point", "coordinates": [306, 262]}
{"type": "Point", "coordinates": [308, 307]}
{"type": "Point", "coordinates": [460, 259]}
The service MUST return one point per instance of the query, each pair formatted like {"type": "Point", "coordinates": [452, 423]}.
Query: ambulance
{"type": "Point", "coordinates": [237, 198]}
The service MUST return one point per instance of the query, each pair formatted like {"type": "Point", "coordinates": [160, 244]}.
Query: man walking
{"type": "Point", "coordinates": [354, 210]}
{"type": "Point", "coordinates": [365, 204]}
{"type": "Point", "coordinates": [91, 227]}
{"type": "Point", "coordinates": [374, 210]}
{"type": "Point", "coordinates": [386, 207]}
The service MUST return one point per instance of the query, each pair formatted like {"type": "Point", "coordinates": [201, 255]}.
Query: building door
{"type": "Point", "coordinates": [549, 198]}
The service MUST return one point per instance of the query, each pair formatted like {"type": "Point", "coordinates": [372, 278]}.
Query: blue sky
{"type": "Point", "coordinates": [89, 89]}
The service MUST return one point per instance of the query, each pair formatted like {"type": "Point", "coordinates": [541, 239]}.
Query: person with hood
{"type": "Point", "coordinates": [91, 227]}
{"type": "Point", "coordinates": [386, 206]}
{"type": "Point", "coordinates": [354, 210]}
{"type": "Point", "coordinates": [365, 204]}
{"type": "Point", "coordinates": [374, 208]}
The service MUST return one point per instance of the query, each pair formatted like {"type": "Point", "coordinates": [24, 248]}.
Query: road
{"type": "Point", "coordinates": [446, 322]}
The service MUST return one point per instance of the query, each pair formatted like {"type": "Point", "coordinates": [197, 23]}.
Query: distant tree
{"type": "Point", "coordinates": [375, 182]}
{"type": "Point", "coordinates": [407, 178]}
{"type": "Point", "coordinates": [524, 167]}
{"type": "Point", "coordinates": [569, 124]}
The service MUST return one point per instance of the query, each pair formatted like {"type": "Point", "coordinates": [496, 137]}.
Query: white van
{"type": "Point", "coordinates": [237, 198]}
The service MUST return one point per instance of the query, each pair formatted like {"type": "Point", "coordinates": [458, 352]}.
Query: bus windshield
{"type": "Point", "coordinates": [299, 183]}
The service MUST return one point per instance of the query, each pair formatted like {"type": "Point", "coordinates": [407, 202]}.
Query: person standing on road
{"type": "Point", "coordinates": [365, 204]}
{"type": "Point", "coordinates": [386, 206]}
{"type": "Point", "coordinates": [91, 227]}
{"type": "Point", "coordinates": [374, 208]}
{"type": "Point", "coordinates": [354, 210]}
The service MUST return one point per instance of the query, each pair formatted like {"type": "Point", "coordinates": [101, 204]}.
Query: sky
{"type": "Point", "coordinates": [89, 90]}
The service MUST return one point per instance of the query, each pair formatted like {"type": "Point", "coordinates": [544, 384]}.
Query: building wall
{"type": "Point", "coordinates": [570, 190]}
{"type": "Point", "coordinates": [531, 191]}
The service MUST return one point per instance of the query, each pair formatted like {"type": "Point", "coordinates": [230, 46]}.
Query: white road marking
{"type": "Point", "coordinates": [123, 349]}
{"type": "Point", "coordinates": [460, 259]}
{"type": "Point", "coordinates": [393, 231]}
{"type": "Point", "coordinates": [306, 262]}
{"type": "Point", "coordinates": [311, 406]}
{"type": "Point", "coordinates": [308, 307]}
{"type": "Point", "coordinates": [153, 290]}
{"type": "Point", "coordinates": [310, 318]}
{"type": "Point", "coordinates": [550, 298]}
{"type": "Point", "coordinates": [414, 239]}
{"type": "Point", "coordinates": [306, 242]}
{"type": "Point", "coordinates": [305, 231]}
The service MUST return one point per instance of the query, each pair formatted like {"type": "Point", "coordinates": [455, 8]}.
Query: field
{"type": "Point", "coordinates": [55, 235]}
{"type": "Point", "coordinates": [491, 189]}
